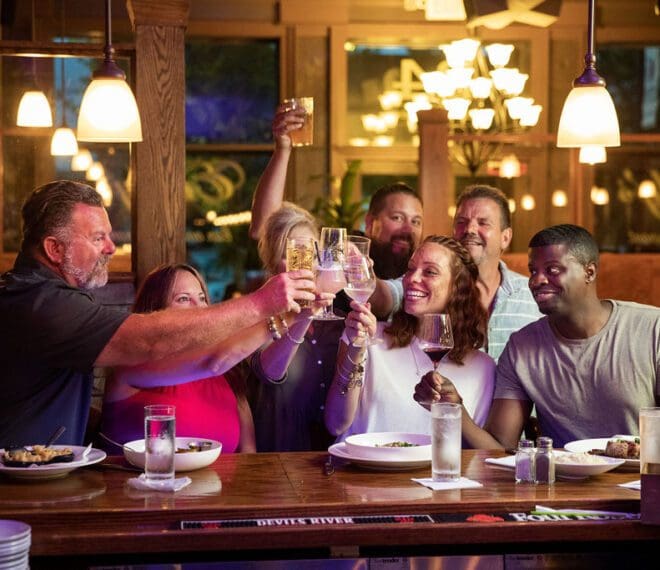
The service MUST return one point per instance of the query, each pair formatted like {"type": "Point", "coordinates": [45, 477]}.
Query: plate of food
{"type": "Point", "coordinates": [618, 446]}
{"type": "Point", "coordinates": [191, 453]}
{"type": "Point", "coordinates": [568, 465]}
{"type": "Point", "coordinates": [388, 446]}
{"type": "Point", "coordinates": [340, 451]}
{"type": "Point", "coordinates": [52, 462]}
{"type": "Point", "coordinates": [580, 465]}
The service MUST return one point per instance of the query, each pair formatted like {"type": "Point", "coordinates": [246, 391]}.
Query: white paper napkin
{"type": "Point", "coordinates": [462, 483]}
{"type": "Point", "coordinates": [142, 484]}
{"type": "Point", "coordinates": [635, 485]}
{"type": "Point", "coordinates": [508, 461]}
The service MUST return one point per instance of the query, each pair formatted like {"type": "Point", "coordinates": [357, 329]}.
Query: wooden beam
{"type": "Point", "coordinates": [158, 210]}
{"type": "Point", "coordinates": [436, 181]}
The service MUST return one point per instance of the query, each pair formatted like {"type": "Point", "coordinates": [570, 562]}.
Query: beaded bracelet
{"type": "Point", "coordinates": [354, 380]}
{"type": "Point", "coordinates": [272, 328]}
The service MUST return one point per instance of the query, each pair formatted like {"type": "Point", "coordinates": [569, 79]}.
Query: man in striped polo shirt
{"type": "Point", "coordinates": [483, 225]}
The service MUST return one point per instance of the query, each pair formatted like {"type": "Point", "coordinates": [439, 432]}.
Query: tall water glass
{"type": "Point", "coordinates": [304, 136]}
{"type": "Point", "coordinates": [159, 444]}
{"type": "Point", "coordinates": [649, 444]}
{"type": "Point", "coordinates": [446, 441]}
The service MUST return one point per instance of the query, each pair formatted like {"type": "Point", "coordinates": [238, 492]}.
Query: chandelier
{"type": "Point", "coordinates": [482, 96]}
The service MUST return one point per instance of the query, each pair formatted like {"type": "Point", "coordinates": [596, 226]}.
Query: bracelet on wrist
{"type": "Point", "coordinates": [294, 340]}
{"type": "Point", "coordinates": [272, 328]}
{"type": "Point", "coordinates": [362, 357]}
{"type": "Point", "coordinates": [352, 380]}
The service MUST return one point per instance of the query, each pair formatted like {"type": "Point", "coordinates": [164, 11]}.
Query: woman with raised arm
{"type": "Point", "coordinates": [374, 383]}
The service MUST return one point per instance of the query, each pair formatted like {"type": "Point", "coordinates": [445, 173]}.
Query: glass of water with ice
{"type": "Point", "coordinates": [446, 441]}
{"type": "Point", "coordinates": [159, 444]}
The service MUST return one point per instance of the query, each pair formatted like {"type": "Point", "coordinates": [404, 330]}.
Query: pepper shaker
{"type": "Point", "coordinates": [545, 461]}
{"type": "Point", "coordinates": [525, 462]}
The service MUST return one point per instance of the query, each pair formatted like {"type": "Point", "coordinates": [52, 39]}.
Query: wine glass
{"type": "Point", "coordinates": [359, 272]}
{"type": "Point", "coordinates": [330, 268]}
{"type": "Point", "coordinates": [435, 336]}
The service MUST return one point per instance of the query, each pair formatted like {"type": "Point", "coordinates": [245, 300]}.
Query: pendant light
{"type": "Point", "coordinates": [589, 116]}
{"type": "Point", "coordinates": [34, 108]}
{"type": "Point", "coordinates": [64, 141]}
{"type": "Point", "coordinates": [108, 112]}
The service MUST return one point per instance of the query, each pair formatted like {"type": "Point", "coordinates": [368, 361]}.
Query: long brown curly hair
{"type": "Point", "coordinates": [468, 316]}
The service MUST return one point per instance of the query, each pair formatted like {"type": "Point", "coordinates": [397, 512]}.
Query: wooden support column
{"type": "Point", "coordinates": [436, 180]}
{"type": "Point", "coordinates": [158, 205]}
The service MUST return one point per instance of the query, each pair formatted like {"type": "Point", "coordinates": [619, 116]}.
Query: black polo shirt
{"type": "Point", "coordinates": [50, 336]}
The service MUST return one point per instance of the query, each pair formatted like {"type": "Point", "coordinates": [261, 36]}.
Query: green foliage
{"type": "Point", "coordinates": [342, 212]}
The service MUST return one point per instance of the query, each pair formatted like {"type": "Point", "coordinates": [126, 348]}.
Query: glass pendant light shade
{"type": "Point", "coordinates": [34, 110]}
{"type": "Point", "coordinates": [592, 154]}
{"type": "Point", "coordinates": [588, 118]}
{"type": "Point", "coordinates": [63, 143]}
{"type": "Point", "coordinates": [108, 112]}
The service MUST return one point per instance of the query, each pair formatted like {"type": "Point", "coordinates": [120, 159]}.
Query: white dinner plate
{"type": "Point", "coordinates": [584, 445]}
{"type": "Point", "coordinates": [340, 451]}
{"type": "Point", "coordinates": [565, 471]}
{"type": "Point", "coordinates": [55, 470]}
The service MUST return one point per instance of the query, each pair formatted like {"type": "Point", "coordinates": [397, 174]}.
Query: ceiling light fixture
{"type": "Point", "coordinates": [589, 116]}
{"type": "Point", "coordinates": [34, 108]}
{"type": "Point", "coordinates": [108, 112]}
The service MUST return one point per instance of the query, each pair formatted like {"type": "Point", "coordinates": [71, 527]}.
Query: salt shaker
{"type": "Point", "coordinates": [545, 461]}
{"type": "Point", "coordinates": [525, 462]}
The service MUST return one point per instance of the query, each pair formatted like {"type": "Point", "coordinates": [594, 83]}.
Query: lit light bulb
{"type": "Point", "coordinates": [63, 143]}
{"type": "Point", "coordinates": [592, 154]}
{"type": "Point", "coordinates": [82, 161]}
{"type": "Point", "coordinates": [512, 205]}
{"type": "Point", "coordinates": [559, 199]}
{"type": "Point", "coordinates": [510, 167]}
{"type": "Point", "coordinates": [527, 202]}
{"type": "Point", "coordinates": [647, 189]}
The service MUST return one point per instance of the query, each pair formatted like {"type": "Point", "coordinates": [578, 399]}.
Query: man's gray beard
{"type": "Point", "coordinates": [96, 278]}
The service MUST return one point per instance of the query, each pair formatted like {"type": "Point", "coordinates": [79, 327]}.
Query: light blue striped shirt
{"type": "Point", "coordinates": [513, 308]}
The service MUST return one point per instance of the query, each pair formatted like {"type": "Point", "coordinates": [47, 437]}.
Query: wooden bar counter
{"type": "Point", "coordinates": [92, 514]}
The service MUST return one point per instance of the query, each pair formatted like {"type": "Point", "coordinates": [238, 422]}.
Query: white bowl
{"type": "Point", "coordinates": [374, 446]}
{"type": "Point", "coordinates": [577, 470]}
{"type": "Point", "coordinates": [188, 461]}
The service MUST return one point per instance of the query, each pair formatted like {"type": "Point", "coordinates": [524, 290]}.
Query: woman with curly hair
{"type": "Point", "coordinates": [373, 386]}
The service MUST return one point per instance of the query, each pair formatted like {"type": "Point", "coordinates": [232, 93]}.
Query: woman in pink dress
{"type": "Point", "coordinates": [212, 406]}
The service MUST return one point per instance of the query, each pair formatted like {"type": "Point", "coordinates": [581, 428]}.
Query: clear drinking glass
{"type": "Point", "coordinates": [300, 255]}
{"type": "Point", "coordinates": [159, 444]}
{"type": "Point", "coordinates": [649, 441]}
{"type": "Point", "coordinates": [330, 268]}
{"type": "Point", "coordinates": [304, 136]}
{"type": "Point", "coordinates": [446, 441]}
{"type": "Point", "coordinates": [435, 336]}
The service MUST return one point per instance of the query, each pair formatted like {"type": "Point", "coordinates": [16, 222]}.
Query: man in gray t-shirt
{"type": "Point", "coordinates": [588, 366]}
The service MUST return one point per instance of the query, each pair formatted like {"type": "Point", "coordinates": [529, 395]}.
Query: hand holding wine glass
{"type": "Point", "coordinates": [435, 336]}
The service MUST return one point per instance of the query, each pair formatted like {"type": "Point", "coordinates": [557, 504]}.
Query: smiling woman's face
{"type": "Point", "coordinates": [427, 283]}
{"type": "Point", "coordinates": [186, 292]}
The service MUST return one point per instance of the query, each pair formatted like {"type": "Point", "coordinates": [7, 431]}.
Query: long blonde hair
{"type": "Point", "coordinates": [272, 243]}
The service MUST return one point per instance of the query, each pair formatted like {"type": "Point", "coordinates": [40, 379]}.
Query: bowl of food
{"type": "Point", "coordinates": [390, 446]}
{"type": "Point", "coordinates": [191, 453]}
{"type": "Point", "coordinates": [580, 465]}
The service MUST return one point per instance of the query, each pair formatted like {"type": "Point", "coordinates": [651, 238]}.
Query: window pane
{"type": "Point", "coordinates": [218, 185]}
{"type": "Point", "coordinates": [633, 79]}
{"type": "Point", "coordinates": [627, 218]}
{"type": "Point", "coordinates": [27, 162]}
{"type": "Point", "coordinates": [231, 90]}
{"type": "Point", "coordinates": [376, 73]}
